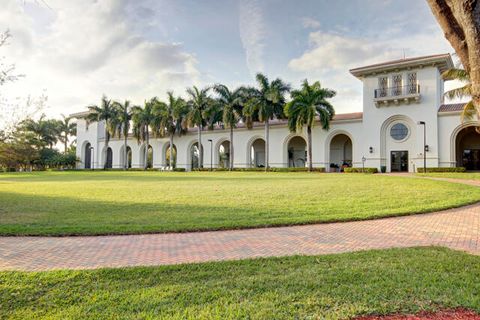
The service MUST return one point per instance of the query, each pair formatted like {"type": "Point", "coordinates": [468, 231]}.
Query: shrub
{"type": "Point", "coordinates": [361, 170]}
{"type": "Point", "coordinates": [442, 169]}
{"type": "Point", "coordinates": [179, 169]}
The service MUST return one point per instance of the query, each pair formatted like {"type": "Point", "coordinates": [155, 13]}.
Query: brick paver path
{"type": "Point", "coordinates": [456, 228]}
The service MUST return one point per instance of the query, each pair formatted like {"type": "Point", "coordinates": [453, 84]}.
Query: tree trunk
{"type": "Point", "coordinates": [309, 148]}
{"type": "Point", "coordinates": [200, 149]}
{"type": "Point", "coordinates": [146, 150]}
{"type": "Point", "coordinates": [170, 160]}
{"type": "Point", "coordinates": [267, 133]}
{"type": "Point", "coordinates": [66, 143]}
{"type": "Point", "coordinates": [125, 152]}
{"type": "Point", "coordinates": [231, 149]}
{"type": "Point", "coordinates": [460, 21]}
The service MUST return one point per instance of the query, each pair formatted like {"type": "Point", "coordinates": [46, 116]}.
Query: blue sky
{"type": "Point", "coordinates": [74, 51]}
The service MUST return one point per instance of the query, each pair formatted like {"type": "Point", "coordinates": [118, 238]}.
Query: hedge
{"type": "Point", "coordinates": [443, 169]}
{"type": "Point", "coordinates": [361, 170]}
{"type": "Point", "coordinates": [302, 169]}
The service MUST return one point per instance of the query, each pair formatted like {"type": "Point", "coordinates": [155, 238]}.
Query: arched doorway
{"type": "Point", "coordinates": [129, 157]}
{"type": "Point", "coordinates": [224, 154]}
{"type": "Point", "coordinates": [297, 152]}
{"type": "Point", "coordinates": [340, 152]}
{"type": "Point", "coordinates": [257, 153]}
{"type": "Point", "coordinates": [88, 156]}
{"type": "Point", "coordinates": [109, 163]}
{"type": "Point", "coordinates": [170, 153]}
{"type": "Point", "coordinates": [467, 147]}
{"type": "Point", "coordinates": [194, 156]}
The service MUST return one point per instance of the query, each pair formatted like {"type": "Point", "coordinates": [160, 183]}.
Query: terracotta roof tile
{"type": "Point", "coordinates": [452, 107]}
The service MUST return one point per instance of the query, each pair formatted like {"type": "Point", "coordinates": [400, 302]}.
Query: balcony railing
{"type": "Point", "coordinates": [400, 91]}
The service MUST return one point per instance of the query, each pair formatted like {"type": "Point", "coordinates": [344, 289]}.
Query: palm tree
{"type": "Point", "coordinates": [66, 129]}
{"type": "Point", "coordinates": [469, 109]}
{"type": "Point", "coordinates": [143, 119]}
{"type": "Point", "coordinates": [123, 115]}
{"type": "Point", "coordinates": [105, 112]}
{"type": "Point", "coordinates": [199, 102]}
{"type": "Point", "coordinates": [232, 104]}
{"type": "Point", "coordinates": [46, 131]}
{"type": "Point", "coordinates": [268, 101]}
{"type": "Point", "coordinates": [172, 116]}
{"type": "Point", "coordinates": [307, 104]}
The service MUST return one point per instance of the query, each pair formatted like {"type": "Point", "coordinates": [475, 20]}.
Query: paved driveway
{"type": "Point", "coordinates": [456, 228]}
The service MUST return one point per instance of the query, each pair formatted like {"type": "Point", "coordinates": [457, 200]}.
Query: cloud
{"type": "Point", "coordinates": [90, 48]}
{"type": "Point", "coordinates": [310, 23]}
{"type": "Point", "coordinates": [252, 34]}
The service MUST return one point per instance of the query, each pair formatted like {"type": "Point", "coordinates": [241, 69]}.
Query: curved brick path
{"type": "Point", "coordinates": [456, 228]}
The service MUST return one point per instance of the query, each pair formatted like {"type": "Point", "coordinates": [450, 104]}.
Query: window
{"type": "Point", "coordinates": [412, 83]}
{"type": "Point", "coordinates": [399, 131]}
{"type": "Point", "coordinates": [397, 85]}
{"type": "Point", "coordinates": [382, 87]}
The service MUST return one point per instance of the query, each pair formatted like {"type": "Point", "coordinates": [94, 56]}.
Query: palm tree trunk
{"type": "Point", "coordinates": [267, 132]}
{"type": "Point", "coordinates": [66, 143]}
{"type": "Point", "coordinates": [125, 151]}
{"type": "Point", "coordinates": [309, 148]}
{"type": "Point", "coordinates": [200, 149]}
{"type": "Point", "coordinates": [146, 150]}
{"type": "Point", "coordinates": [170, 160]}
{"type": "Point", "coordinates": [231, 148]}
{"type": "Point", "coordinates": [106, 148]}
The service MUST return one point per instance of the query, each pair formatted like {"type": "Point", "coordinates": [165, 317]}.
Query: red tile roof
{"type": "Point", "coordinates": [452, 107]}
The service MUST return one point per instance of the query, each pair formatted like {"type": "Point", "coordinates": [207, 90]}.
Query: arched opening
{"type": "Point", "coordinates": [297, 152]}
{"type": "Point", "coordinates": [257, 153]}
{"type": "Point", "coordinates": [340, 152]}
{"type": "Point", "coordinates": [467, 147]}
{"type": "Point", "coordinates": [129, 157]}
{"type": "Point", "coordinates": [170, 152]}
{"type": "Point", "coordinates": [224, 154]}
{"type": "Point", "coordinates": [195, 156]}
{"type": "Point", "coordinates": [88, 156]}
{"type": "Point", "coordinates": [109, 162]}
{"type": "Point", "coordinates": [149, 157]}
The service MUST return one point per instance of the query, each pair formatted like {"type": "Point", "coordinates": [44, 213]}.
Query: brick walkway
{"type": "Point", "coordinates": [456, 228]}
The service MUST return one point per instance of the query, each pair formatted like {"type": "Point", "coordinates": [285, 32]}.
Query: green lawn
{"type": "Point", "coordinates": [455, 175]}
{"type": "Point", "coordinates": [61, 203]}
{"type": "Point", "coordinates": [301, 287]}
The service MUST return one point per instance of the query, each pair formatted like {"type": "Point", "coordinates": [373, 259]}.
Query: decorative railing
{"type": "Point", "coordinates": [399, 91]}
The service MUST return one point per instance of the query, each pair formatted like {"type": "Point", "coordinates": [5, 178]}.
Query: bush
{"type": "Point", "coordinates": [179, 169]}
{"type": "Point", "coordinates": [302, 169]}
{"type": "Point", "coordinates": [361, 170]}
{"type": "Point", "coordinates": [442, 169]}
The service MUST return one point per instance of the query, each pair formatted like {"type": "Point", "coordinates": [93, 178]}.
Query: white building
{"type": "Point", "coordinates": [398, 96]}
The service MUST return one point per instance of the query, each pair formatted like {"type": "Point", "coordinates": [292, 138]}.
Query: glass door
{"type": "Point", "coordinates": [399, 161]}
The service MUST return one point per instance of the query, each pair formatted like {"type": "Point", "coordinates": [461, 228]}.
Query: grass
{"type": "Point", "coordinates": [92, 203]}
{"type": "Point", "coordinates": [455, 175]}
{"type": "Point", "coordinates": [300, 287]}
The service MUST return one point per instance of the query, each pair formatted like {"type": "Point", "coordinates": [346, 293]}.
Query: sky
{"type": "Point", "coordinates": [72, 52]}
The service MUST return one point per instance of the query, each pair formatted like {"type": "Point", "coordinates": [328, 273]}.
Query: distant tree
{"type": "Point", "coordinates": [172, 115]}
{"type": "Point", "coordinates": [460, 21]}
{"type": "Point", "coordinates": [46, 131]}
{"type": "Point", "coordinates": [199, 101]}
{"type": "Point", "coordinates": [143, 119]}
{"type": "Point", "coordinates": [104, 112]}
{"type": "Point", "coordinates": [232, 105]}
{"type": "Point", "coordinates": [269, 101]}
{"type": "Point", "coordinates": [66, 129]}
{"type": "Point", "coordinates": [121, 122]}
{"type": "Point", "coordinates": [309, 104]}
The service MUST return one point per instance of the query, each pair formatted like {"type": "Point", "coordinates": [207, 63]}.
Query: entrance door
{"type": "Point", "coordinates": [399, 161]}
{"type": "Point", "coordinates": [471, 159]}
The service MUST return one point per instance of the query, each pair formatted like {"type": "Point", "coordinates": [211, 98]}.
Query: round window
{"type": "Point", "coordinates": [399, 131]}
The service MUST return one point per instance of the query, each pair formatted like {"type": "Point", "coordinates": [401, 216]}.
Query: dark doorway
{"type": "Point", "coordinates": [399, 161]}
{"type": "Point", "coordinates": [88, 156]}
{"type": "Point", "coordinates": [109, 163]}
{"type": "Point", "coordinates": [471, 159]}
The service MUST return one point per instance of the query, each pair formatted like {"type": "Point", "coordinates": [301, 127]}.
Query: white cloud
{"type": "Point", "coordinates": [310, 23]}
{"type": "Point", "coordinates": [88, 49]}
{"type": "Point", "coordinates": [252, 34]}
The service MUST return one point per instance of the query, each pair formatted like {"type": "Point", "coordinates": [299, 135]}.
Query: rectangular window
{"type": "Point", "coordinates": [412, 83]}
{"type": "Point", "coordinates": [382, 87]}
{"type": "Point", "coordinates": [397, 85]}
